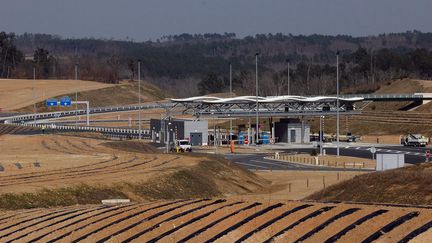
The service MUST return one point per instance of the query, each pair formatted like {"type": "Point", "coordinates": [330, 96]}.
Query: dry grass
{"type": "Point", "coordinates": [409, 185]}
{"type": "Point", "coordinates": [19, 93]}
{"type": "Point", "coordinates": [123, 94]}
{"type": "Point", "coordinates": [213, 177]}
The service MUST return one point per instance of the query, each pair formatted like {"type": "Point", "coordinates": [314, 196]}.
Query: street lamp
{"type": "Point", "coordinates": [76, 96]}
{"type": "Point", "coordinates": [321, 134]}
{"type": "Point", "coordinates": [337, 103]}
{"type": "Point", "coordinates": [34, 92]}
{"type": "Point", "coordinates": [230, 80]}
{"type": "Point", "coordinates": [288, 76]}
{"type": "Point", "coordinates": [139, 99]}
{"type": "Point", "coordinates": [168, 137]}
{"type": "Point", "coordinates": [257, 105]}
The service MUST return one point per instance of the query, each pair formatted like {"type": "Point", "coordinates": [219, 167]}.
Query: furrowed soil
{"type": "Point", "coordinates": [54, 170]}
{"type": "Point", "coordinates": [220, 220]}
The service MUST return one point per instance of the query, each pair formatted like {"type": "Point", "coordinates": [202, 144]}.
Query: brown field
{"type": "Point", "coordinates": [221, 220]}
{"type": "Point", "coordinates": [66, 161]}
{"type": "Point", "coordinates": [19, 93]}
{"type": "Point", "coordinates": [115, 95]}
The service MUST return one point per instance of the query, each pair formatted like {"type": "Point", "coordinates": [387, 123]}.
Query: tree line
{"type": "Point", "coordinates": [191, 64]}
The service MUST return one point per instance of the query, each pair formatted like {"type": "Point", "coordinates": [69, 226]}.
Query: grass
{"type": "Point", "coordinates": [409, 185]}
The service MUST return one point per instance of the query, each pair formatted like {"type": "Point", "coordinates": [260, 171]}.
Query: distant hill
{"type": "Point", "coordinates": [180, 62]}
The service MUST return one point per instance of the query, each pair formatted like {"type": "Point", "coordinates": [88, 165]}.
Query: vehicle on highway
{"type": "Point", "coordinates": [181, 146]}
{"type": "Point", "coordinates": [416, 140]}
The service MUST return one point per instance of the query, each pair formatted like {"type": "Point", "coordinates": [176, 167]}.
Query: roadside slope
{"type": "Point", "coordinates": [19, 93]}
{"type": "Point", "coordinates": [408, 185]}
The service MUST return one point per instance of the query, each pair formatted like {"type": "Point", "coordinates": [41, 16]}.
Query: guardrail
{"type": "Point", "coordinates": [383, 97]}
{"type": "Point", "coordinates": [58, 114]}
{"type": "Point", "coordinates": [133, 133]}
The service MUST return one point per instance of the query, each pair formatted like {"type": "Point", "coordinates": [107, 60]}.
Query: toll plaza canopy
{"type": "Point", "coordinates": [286, 105]}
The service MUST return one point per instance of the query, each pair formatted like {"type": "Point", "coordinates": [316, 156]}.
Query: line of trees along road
{"type": "Point", "coordinates": [189, 64]}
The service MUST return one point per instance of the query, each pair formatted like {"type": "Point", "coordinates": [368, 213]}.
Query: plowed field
{"type": "Point", "coordinates": [221, 220]}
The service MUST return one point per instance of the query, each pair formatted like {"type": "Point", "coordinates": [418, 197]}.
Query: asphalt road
{"type": "Point", "coordinates": [258, 162]}
{"type": "Point", "coordinates": [413, 155]}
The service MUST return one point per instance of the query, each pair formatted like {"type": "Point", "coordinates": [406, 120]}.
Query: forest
{"type": "Point", "coordinates": [192, 64]}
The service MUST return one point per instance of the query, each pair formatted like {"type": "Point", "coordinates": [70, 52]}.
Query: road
{"type": "Point", "coordinates": [413, 155]}
{"type": "Point", "coordinates": [258, 162]}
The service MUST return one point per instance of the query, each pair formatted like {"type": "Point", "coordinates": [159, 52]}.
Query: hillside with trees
{"type": "Point", "coordinates": [189, 64]}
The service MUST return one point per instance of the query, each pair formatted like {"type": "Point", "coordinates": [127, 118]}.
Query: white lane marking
{"type": "Point", "coordinates": [389, 151]}
{"type": "Point", "coordinates": [407, 152]}
{"type": "Point", "coordinates": [357, 148]}
{"type": "Point", "coordinates": [249, 165]}
{"type": "Point", "coordinates": [398, 152]}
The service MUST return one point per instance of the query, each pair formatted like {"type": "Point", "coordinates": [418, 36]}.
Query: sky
{"type": "Point", "coordinates": [142, 20]}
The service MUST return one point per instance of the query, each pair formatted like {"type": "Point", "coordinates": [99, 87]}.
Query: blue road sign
{"type": "Point", "coordinates": [65, 101]}
{"type": "Point", "coordinates": [52, 102]}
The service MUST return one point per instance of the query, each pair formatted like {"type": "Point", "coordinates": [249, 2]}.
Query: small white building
{"type": "Point", "coordinates": [194, 131]}
{"type": "Point", "coordinates": [292, 131]}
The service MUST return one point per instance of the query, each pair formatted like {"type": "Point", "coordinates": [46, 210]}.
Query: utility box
{"type": "Point", "coordinates": [389, 161]}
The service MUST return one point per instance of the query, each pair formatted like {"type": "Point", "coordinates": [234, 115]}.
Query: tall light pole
{"type": "Point", "coordinates": [139, 99]}
{"type": "Point", "coordinates": [34, 92]}
{"type": "Point", "coordinates": [230, 80]}
{"type": "Point", "coordinates": [337, 103]}
{"type": "Point", "coordinates": [76, 96]}
{"type": "Point", "coordinates": [257, 105]}
{"type": "Point", "coordinates": [288, 76]}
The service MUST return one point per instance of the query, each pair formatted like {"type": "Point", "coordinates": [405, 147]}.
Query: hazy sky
{"type": "Point", "coordinates": [151, 19]}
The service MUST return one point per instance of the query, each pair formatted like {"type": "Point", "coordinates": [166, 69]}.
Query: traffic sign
{"type": "Point", "coordinates": [373, 150]}
{"type": "Point", "coordinates": [65, 101]}
{"type": "Point", "coordinates": [52, 102]}
{"type": "Point", "coordinates": [428, 153]}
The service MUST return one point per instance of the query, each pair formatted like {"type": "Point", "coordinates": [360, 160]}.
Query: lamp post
{"type": "Point", "coordinates": [321, 135]}
{"type": "Point", "coordinates": [34, 92]}
{"type": "Point", "coordinates": [139, 99]}
{"type": "Point", "coordinates": [168, 137]}
{"type": "Point", "coordinates": [288, 76]}
{"type": "Point", "coordinates": [257, 105]}
{"type": "Point", "coordinates": [76, 96]}
{"type": "Point", "coordinates": [230, 80]}
{"type": "Point", "coordinates": [337, 103]}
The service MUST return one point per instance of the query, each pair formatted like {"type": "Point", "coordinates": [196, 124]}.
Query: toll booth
{"type": "Point", "coordinates": [194, 131]}
{"type": "Point", "coordinates": [292, 131]}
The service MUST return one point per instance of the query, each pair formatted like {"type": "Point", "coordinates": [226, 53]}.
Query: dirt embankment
{"type": "Point", "coordinates": [209, 178]}
{"type": "Point", "coordinates": [409, 185]}
{"type": "Point", "coordinates": [131, 146]}
{"type": "Point", "coordinates": [122, 94]}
